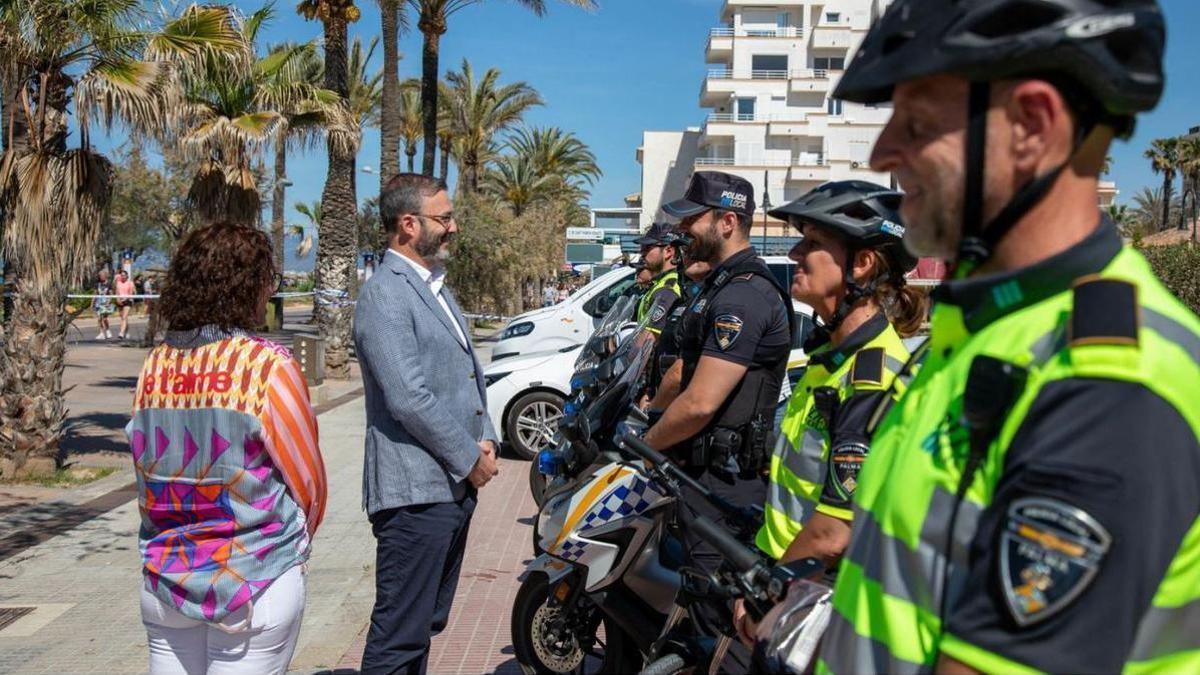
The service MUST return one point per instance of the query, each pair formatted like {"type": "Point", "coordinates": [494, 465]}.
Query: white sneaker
{"type": "Point", "coordinates": [102, 336]}
{"type": "Point", "coordinates": [107, 335]}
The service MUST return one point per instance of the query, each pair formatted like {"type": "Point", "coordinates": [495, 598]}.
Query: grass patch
{"type": "Point", "coordinates": [66, 477]}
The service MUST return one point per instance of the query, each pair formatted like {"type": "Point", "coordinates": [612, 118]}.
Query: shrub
{"type": "Point", "coordinates": [1178, 266]}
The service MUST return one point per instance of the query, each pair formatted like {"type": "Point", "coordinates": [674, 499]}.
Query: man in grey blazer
{"type": "Point", "coordinates": [430, 444]}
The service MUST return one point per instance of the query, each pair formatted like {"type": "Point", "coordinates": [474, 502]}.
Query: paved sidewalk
{"type": "Point", "coordinates": [81, 575]}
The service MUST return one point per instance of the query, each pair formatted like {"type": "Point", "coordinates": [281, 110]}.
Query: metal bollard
{"type": "Point", "coordinates": [309, 350]}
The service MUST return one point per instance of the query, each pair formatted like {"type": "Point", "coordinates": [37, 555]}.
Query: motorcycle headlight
{"type": "Point", "coordinates": [517, 330]}
{"type": "Point", "coordinates": [492, 378]}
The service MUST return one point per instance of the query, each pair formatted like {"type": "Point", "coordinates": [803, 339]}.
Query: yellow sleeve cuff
{"type": "Point", "coordinates": [835, 512]}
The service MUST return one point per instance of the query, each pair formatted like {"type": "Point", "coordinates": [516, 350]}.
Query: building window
{"type": "Point", "coordinates": [783, 20]}
{"type": "Point", "coordinates": [833, 17]}
{"type": "Point", "coordinates": [829, 63]}
{"type": "Point", "coordinates": [834, 107]}
{"type": "Point", "coordinates": [745, 109]}
{"type": "Point", "coordinates": [769, 66]}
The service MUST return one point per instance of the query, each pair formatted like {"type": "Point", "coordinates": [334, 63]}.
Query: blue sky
{"type": "Point", "coordinates": [635, 65]}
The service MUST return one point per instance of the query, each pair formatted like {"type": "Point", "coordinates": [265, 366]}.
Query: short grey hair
{"type": "Point", "coordinates": [403, 195]}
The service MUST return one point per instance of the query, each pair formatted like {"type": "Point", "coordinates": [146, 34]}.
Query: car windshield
{"type": "Point", "coordinates": [598, 345]}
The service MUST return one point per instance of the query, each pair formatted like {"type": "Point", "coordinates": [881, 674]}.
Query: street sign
{"type": "Point", "coordinates": [585, 253]}
{"type": "Point", "coordinates": [585, 234]}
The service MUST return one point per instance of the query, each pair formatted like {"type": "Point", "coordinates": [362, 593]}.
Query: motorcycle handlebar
{"type": "Point", "coordinates": [740, 557]}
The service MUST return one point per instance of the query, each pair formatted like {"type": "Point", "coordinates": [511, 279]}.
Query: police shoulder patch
{"type": "Point", "coordinates": [1105, 312]}
{"type": "Point", "coordinates": [868, 367]}
{"type": "Point", "coordinates": [845, 461]}
{"type": "Point", "coordinates": [1050, 551]}
{"type": "Point", "coordinates": [726, 329]}
{"type": "Point", "coordinates": [658, 313]}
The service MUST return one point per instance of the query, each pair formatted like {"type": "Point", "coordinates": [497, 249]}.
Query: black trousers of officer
{"type": "Point", "coordinates": [744, 492]}
{"type": "Point", "coordinates": [418, 555]}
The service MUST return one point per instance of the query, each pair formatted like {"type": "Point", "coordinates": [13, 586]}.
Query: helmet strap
{"type": "Point", "coordinates": [979, 240]}
{"type": "Point", "coordinates": [854, 292]}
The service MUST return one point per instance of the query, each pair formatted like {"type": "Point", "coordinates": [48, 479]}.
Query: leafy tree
{"type": "Point", "coordinates": [301, 127]}
{"type": "Point", "coordinates": [336, 248]}
{"type": "Point", "coordinates": [410, 120]}
{"type": "Point", "coordinates": [91, 61]}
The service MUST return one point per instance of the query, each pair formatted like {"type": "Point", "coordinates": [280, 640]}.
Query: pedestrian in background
{"type": "Point", "coordinates": [103, 305]}
{"type": "Point", "coordinates": [231, 484]}
{"type": "Point", "coordinates": [430, 444]}
{"type": "Point", "coordinates": [125, 292]}
{"type": "Point", "coordinates": [563, 292]}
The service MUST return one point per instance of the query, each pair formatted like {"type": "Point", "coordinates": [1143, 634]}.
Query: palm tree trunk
{"type": "Point", "coordinates": [411, 152]}
{"type": "Point", "coordinates": [279, 203]}
{"type": "Point", "coordinates": [445, 171]}
{"type": "Point", "coordinates": [1168, 188]}
{"type": "Point", "coordinates": [32, 413]}
{"type": "Point", "coordinates": [429, 96]}
{"type": "Point", "coordinates": [389, 113]}
{"type": "Point", "coordinates": [336, 245]}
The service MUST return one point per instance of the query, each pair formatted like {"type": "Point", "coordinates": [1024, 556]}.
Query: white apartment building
{"type": "Point", "coordinates": [769, 115]}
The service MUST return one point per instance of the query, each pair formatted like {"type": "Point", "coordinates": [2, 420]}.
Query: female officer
{"type": "Point", "coordinates": [850, 268]}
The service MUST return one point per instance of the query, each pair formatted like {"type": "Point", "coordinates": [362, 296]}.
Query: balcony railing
{"type": "Point", "coordinates": [778, 32]}
{"type": "Point", "coordinates": [802, 159]}
{"type": "Point", "coordinates": [736, 117]}
{"type": "Point", "coordinates": [728, 74]}
{"type": "Point", "coordinates": [714, 161]}
{"type": "Point", "coordinates": [810, 74]}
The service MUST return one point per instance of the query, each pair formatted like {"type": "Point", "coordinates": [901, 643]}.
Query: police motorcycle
{"type": "Point", "coordinates": [596, 599]}
{"type": "Point", "coordinates": [788, 604]}
{"type": "Point", "coordinates": [593, 371]}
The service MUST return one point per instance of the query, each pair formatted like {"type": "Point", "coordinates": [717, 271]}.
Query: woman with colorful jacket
{"type": "Point", "coordinates": [230, 476]}
{"type": "Point", "coordinates": [850, 268]}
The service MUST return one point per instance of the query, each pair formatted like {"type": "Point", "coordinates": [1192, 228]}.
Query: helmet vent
{"type": "Point", "coordinates": [858, 211]}
{"type": "Point", "coordinates": [896, 41]}
{"type": "Point", "coordinates": [1016, 18]}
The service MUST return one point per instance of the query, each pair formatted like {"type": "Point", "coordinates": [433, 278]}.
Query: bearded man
{"type": "Point", "coordinates": [430, 444]}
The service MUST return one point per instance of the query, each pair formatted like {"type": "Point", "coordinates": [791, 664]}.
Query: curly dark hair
{"type": "Point", "coordinates": [217, 277]}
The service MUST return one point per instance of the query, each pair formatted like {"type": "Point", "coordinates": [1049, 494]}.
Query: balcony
{"type": "Point", "coordinates": [810, 79]}
{"type": "Point", "coordinates": [758, 162]}
{"type": "Point", "coordinates": [722, 83]}
{"type": "Point", "coordinates": [831, 37]}
{"type": "Point", "coordinates": [808, 166]}
{"type": "Point", "coordinates": [726, 124]}
{"type": "Point", "coordinates": [815, 123]}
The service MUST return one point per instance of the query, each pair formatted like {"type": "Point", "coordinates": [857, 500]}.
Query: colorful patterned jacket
{"type": "Point", "coordinates": [231, 481]}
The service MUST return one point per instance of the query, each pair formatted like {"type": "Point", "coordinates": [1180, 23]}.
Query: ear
{"type": "Point", "coordinates": [866, 264]}
{"type": "Point", "coordinates": [1041, 126]}
{"type": "Point", "coordinates": [408, 227]}
{"type": "Point", "coordinates": [728, 224]}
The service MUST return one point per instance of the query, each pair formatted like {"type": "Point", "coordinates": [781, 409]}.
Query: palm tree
{"type": "Point", "coordinates": [336, 247]}
{"type": "Point", "coordinates": [392, 19]}
{"type": "Point", "coordinates": [479, 110]}
{"type": "Point", "coordinates": [366, 89]}
{"type": "Point", "coordinates": [1189, 168]}
{"type": "Point", "coordinates": [233, 112]}
{"type": "Point", "coordinates": [301, 127]}
{"type": "Point", "coordinates": [432, 18]}
{"type": "Point", "coordinates": [94, 61]}
{"type": "Point", "coordinates": [411, 125]}
{"type": "Point", "coordinates": [1148, 207]}
{"type": "Point", "coordinates": [445, 137]}
{"type": "Point", "coordinates": [312, 212]}
{"type": "Point", "coordinates": [515, 182]}
{"type": "Point", "coordinates": [1164, 158]}
{"type": "Point", "coordinates": [555, 152]}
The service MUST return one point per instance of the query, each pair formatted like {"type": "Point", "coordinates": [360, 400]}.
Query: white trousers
{"type": "Point", "coordinates": [180, 645]}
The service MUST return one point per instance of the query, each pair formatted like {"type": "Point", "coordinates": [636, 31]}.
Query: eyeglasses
{"type": "Point", "coordinates": [444, 220]}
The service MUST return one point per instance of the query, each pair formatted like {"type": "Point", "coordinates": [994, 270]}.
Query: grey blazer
{"type": "Point", "coordinates": [425, 395]}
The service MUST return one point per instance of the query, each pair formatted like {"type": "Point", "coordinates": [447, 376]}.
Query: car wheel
{"type": "Point", "coordinates": [532, 422]}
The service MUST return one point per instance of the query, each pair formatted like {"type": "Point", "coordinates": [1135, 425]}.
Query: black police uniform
{"type": "Point", "coordinates": [739, 316]}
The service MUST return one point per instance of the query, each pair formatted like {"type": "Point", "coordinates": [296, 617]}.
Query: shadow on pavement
{"type": "Point", "coordinates": [95, 432]}
{"type": "Point", "coordinates": [35, 524]}
{"type": "Point", "coordinates": [126, 382]}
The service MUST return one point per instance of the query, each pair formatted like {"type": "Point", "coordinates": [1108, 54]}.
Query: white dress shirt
{"type": "Point", "coordinates": [435, 278]}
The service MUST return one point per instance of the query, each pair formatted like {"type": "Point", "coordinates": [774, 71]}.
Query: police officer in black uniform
{"type": "Point", "coordinates": [734, 339]}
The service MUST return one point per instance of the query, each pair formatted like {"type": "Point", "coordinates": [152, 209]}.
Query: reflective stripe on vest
{"type": "Point", "coordinates": [647, 300]}
{"type": "Point", "coordinates": [797, 474]}
{"type": "Point", "coordinates": [888, 596]}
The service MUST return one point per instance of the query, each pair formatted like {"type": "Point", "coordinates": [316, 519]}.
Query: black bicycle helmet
{"type": "Point", "coordinates": [1104, 55]}
{"type": "Point", "coordinates": [865, 216]}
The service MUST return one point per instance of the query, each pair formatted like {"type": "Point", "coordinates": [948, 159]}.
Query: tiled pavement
{"type": "Point", "coordinates": [84, 581]}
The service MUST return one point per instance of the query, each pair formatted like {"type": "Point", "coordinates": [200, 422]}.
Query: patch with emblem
{"type": "Point", "coordinates": [845, 461]}
{"type": "Point", "coordinates": [657, 313]}
{"type": "Point", "coordinates": [699, 306]}
{"type": "Point", "coordinates": [726, 330]}
{"type": "Point", "coordinates": [1050, 552]}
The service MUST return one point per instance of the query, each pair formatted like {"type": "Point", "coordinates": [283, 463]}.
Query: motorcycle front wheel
{"type": "Point", "coordinates": [546, 642]}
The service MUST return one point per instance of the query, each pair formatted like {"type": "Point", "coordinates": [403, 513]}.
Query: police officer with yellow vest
{"type": "Point", "coordinates": [1031, 503]}
{"type": "Point", "coordinates": [658, 257]}
{"type": "Point", "coordinates": [850, 268]}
